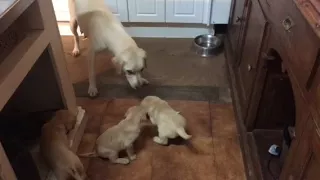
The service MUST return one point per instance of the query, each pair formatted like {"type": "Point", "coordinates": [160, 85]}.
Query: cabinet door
{"type": "Point", "coordinates": [234, 26]}
{"type": "Point", "coordinates": [253, 39]}
{"type": "Point", "coordinates": [119, 8]}
{"type": "Point", "coordinates": [61, 10]}
{"type": "Point", "coordinates": [304, 164]}
{"type": "Point", "coordinates": [182, 11]}
{"type": "Point", "coordinates": [146, 10]}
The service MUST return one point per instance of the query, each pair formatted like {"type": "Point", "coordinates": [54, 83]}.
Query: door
{"type": "Point", "coordinates": [304, 163]}
{"type": "Point", "coordinates": [254, 33]}
{"type": "Point", "coordinates": [182, 11]}
{"type": "Point", "coordinates": [234, 26]}
{"type": "Point", "coordinates": [119, 8]}
{"type": "Point", "coordinates": [146, 10]}
{"type": "Point", "coordinates": [61, 10]}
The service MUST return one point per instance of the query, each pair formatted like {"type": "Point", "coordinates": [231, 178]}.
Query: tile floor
{"type": "Point", "coordinates": [196, 87]}
{"type": "Point", "coordinates": [218, 155]}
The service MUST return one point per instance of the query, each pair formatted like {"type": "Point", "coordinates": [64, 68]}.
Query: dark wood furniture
{"type": "Point", "coordinates": [273, 55]}
{"type": "Point", "coordinates": [33, 71]}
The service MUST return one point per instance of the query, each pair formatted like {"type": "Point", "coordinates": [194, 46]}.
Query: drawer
{"type": "Point", "coordinates": [296, 35]}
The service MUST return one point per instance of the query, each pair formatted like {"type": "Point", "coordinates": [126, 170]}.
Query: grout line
{"type": "Point", "coordinates": [213, 153]}
{"type": "Point", "coordinates": [100, 119]}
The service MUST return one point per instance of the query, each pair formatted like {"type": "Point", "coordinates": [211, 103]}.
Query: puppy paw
{"type": "Point", "coordinates": [133, 157]}
{"type": "Point", "coordinates": [122, 161]}
{"type": "Point", "coordinates": [93, 91]}
{"type": "Point", "coordinates": [156, 139]}
{"type": "Point", "coordinates": [75, 52]}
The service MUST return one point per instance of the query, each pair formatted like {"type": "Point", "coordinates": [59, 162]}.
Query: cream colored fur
{"type": "Point", "coordinates": [169, 122]}
{"type": "Point", "coordinates": [105, 31]}
{"type": "Point", "coordinates": [120, 137]}
{"type": "Point", "coordinates": [54, 147]}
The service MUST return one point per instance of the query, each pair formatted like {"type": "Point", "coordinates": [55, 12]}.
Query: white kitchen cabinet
{"type": "Point", "coordinates": [184, 11]}
{"type": "Point", "coordinates": [146, 10]}
{"type": "Point", "coordinates": [61, 10]}
{"type": "Point", "coordinates": [119, 8]}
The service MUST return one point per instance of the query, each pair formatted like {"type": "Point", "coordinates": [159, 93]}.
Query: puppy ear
{"type": "Point", "coordinates": [67, 119]}
{"type": "Point", "coordinates": [118, 65]}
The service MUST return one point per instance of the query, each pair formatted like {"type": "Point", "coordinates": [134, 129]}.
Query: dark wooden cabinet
{"type": "Point", "coordinates": [305, 161]}
{"type": "Point", "coordinates": [254, 34]}
{"type": "Point", "coordinates": [273, 55]}
{"type": "Point", "coordinates": [236, 24]}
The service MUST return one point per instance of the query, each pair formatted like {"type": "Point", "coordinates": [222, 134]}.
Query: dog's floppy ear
{"type": "Point", "coordinates": [118, 65]}
{"type": "Point", "coordinates": [142, 53]}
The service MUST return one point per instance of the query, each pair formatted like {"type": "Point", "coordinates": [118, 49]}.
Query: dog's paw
{"type": "Point", "coordinates": [133, 157]}
{"type": "Point", "coordinates": [156, 139]}
{"type": "Point", "coordinates": [123, 161]}
{"type": "Point", "coordinates": [75, 52]}
{"type": "Point", "coordinates": [93, 91]}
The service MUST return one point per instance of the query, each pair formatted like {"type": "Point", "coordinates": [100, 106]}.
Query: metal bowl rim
{"type": "Point", "coordinates": [206, 35]}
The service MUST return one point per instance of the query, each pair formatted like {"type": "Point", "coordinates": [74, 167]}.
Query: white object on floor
{"type": "Point", "coordinates": [80, 116]}
{"type": "Point", "coordinates": [274, 150]}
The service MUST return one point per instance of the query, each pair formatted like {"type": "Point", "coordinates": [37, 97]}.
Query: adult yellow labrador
{"type": "Point", "coordinates": [105, 31]}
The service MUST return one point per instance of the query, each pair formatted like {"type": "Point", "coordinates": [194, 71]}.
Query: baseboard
{"type": "Point", "coordinates": [151, 32]}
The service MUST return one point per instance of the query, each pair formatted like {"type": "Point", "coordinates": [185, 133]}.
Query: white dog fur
{"type": "Point", "coordinates": [120, 137]}
{"type": "Point", "coordinates": [105, 31]}
{"type": "Point", "coordinates": [169, 122]}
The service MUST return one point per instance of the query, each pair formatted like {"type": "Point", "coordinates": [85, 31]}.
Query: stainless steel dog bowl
{"type": "Point", "coordinates": [207, 45]}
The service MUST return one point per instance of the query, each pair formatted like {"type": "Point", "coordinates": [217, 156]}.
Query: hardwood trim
{"type": "Point", "coordinates": [19, 62]}
{"type": "Point", "coordinates": [310, 13]}
{"type": "Point", "coordinates": [244, 142]}
{"type": "Point", "coordinates": [57, 53]}
{"type": "Point", "coordinates": [13, 12]}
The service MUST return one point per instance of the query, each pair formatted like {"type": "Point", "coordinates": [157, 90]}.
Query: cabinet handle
{"type": "Point", "coordinates": [238, 19]}
{"type": "Point", "coordinates": [249, 67]}
{"type": "Point", "coordinates": [267, 57]}
{"type": "Point", "coordinates": [287, 23]}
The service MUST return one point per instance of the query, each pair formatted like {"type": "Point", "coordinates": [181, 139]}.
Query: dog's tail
{"type": "Point", "coordinates": [182, 133]}
{"type": "Point", "coordinates": [90, 154]}
{"type": "Point", "coordinates": [192, 147]}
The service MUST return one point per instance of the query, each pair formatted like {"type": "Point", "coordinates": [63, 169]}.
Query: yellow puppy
{"type": "Point", "coordinates": [54, 147]}
{"type": "Point", "coordinates": [120, 137]}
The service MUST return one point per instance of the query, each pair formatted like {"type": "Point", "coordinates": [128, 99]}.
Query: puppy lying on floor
{"type": "Point", "coordinates": [105, 31]}
{"type": "Point", "coordinates": [169, 122]}
{"type": "Point", "coordinates": [55, 149]}
{"type": "Point", "coordinates": [120, 137]}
